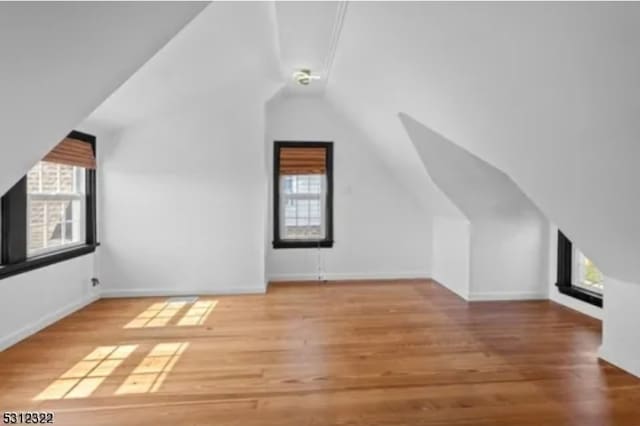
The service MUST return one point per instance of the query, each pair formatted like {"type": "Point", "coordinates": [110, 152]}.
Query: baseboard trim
{"type": "Point", "coordinates": [461, 295]}
{"type": "Point", "coordinates": [349, 276]}
{"type": "Point", "coordinates": [162, 292]}
{"type": "Point", "coordinates": [630, 366]}
{"type": "Point", "coordinates": [499, 296]}
{"type": "Point", "coordinates": [46, 321]}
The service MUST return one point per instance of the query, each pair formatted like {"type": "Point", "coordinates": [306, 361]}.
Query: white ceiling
{"type": "Point", "coordinates": [229, 47]}
{"type": "Point", "coordinates": [308, 34]}
{"type": "Point", "coordinates": [547, 92]}
{"type": "Point", "coordinates": [59, 60]}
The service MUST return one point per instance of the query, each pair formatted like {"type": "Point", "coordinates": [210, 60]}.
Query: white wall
{"type": "Point", "coordinates": [60, 60]}
{"type": "Point", "coordinates": [451, 250]}
{"type": "Point", "coordinates": [509, 258]}
{"type": "Point", "coordinates": [621, 325]}
{"type": "Point", "coordinates": [379, 231]}
{"type": "Point", "coordinates": [507, 233]}
{"type": "Point", "coordinates": [184, 183]}
{"type": "Point", "coordinates": [36, 299]}
{"type": "Point", "coordinates": [183, 201]}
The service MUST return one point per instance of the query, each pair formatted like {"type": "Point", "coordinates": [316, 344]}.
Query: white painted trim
{"type": "Point", "coordinates": [499, 295]}
{"type": "Point", "coordinates": [462, 295]}
{"type": "Point", "coordinates": [631, 366]}
{"type": "Point", "coordinates": [162, 292]}
{"type": "Point", "coordinates": [351, 276]}
{"type": "Point", "coordinates": [45, 321]}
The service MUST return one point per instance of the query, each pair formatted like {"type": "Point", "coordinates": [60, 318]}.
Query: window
{"type": "Point", "coordinates": [578, 276]}
{"type": "Point", "coordinates": [303, 199]}
{"type": "Point", "coordinates": [50, 214]}
{"type": "Point", "coordinates": [587, 273]}
{"type": "Point", "coordinates": [56, 208]}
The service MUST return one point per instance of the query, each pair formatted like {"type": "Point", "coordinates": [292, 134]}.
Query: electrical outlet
{"type": "Point", "coordinates": [95, 282]}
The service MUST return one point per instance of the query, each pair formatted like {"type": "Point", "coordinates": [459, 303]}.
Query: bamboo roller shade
{"type": "Point", "coordinates": [303, 160]}
{"type": "Point", "coordinates": [73, 153]}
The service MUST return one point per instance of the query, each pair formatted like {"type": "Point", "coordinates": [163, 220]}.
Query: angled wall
{"type": "Point", "coordinates": [554, 104]}
{"type": "Point", "coordinates": [60, 60]}
{"type": "Point", "coordinates": [508, 234]}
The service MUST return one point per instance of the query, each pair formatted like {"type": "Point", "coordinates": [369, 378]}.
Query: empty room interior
{"type": "Point", "coordinates": [320, 213]}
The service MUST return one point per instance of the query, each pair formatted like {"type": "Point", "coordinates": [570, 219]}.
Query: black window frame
{"type": "Point", "coordinates": [564, 281]}
{"type": "Point", "coordinates": [327, 242]}
{"type": "Point", "coordinates": [13, 211]}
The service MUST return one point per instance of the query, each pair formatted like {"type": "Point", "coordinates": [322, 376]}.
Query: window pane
{"type": "Point", "coordinates": [36, 240]}
{"type": "Point", "coordinates": [49, 177]}
{"type": "Point", "coordinates": [56, 212]}
{"type": "Point", "coordinates": [66, 178]}
{"type": "Point", "coordinates": [589, 276]}
{"type": "Point", "coordinates": [302, 201]}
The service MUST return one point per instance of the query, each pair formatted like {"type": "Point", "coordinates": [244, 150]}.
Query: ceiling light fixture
{"type": "Point", "coordinates": [304, 77]}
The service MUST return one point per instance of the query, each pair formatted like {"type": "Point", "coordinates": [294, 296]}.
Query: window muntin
{"type": "Point", "coordinates": [56, 207]}
{"type": "Point", "coordinates": [303, 199]}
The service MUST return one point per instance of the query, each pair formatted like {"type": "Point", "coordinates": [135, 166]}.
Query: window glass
{"type": "Point", "coordinates": [56, 207]}
{"type": "Point", "coordinates": [303, 197]}
{"type": "Point", "coordinates": [588, 275]}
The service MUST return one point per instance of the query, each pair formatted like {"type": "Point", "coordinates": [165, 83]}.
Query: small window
{"type": "Point", "coordinates": [578, 276]}
{"type": "Point", "coordinates": [587, 274]}
{"type": "Point", "coordinates": [303, 199]}
{"type": "Point", "coordinates": [50, 214]}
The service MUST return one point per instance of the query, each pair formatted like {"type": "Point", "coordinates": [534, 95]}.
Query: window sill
{"type": "Point", "coordinates": [48, 259]}
{"type": "Point", "coordinates": [590, 297]}
{"type": "Point", "coordinates": [285, 244]}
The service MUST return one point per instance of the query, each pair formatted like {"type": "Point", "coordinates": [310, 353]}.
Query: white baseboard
{"type": "Point", "coordinates": [499, 295]}
{"type": "Point", "coordinates": [350, 276]}
{"type": "Point", "coordinates": [162, 292]}
{"type": "Point", "coordinates": [34, 327]}
{"type": "Point", "coordinates": [631, 366]}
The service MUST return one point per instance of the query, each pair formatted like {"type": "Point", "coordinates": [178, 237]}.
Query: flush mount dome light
{"type": "Point", "coordinates": [304, 77]}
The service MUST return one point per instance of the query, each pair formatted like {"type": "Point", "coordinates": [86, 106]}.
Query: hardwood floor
{"type": "Point", "coordinates": [366, 353]}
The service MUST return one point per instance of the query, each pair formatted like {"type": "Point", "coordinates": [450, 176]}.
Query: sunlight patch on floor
{"type": "Point", "coordinates": [160, 314]}
{"type": "Point", "coordinates": [156, 315]}
{"type": "Point", "coordinates": [198, 313]}
{"type": "Point", "coordinates": [149, 375]}
{"type": "Point", "coordinates": [81, 380]}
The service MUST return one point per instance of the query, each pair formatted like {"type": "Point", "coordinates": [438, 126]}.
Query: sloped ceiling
{"type": "Point", "coordinates": [477, 188]}
{"type": "Point", "coordinates": [60, 60]}
{"type": "Point", "coordinates": [547, 92]}
{"type": "Point", "coordinates": [227, 50]}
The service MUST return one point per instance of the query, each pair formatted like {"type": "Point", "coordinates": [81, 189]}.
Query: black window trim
{"type": "Point", "coordinates": [328, 241]}
{"type": "Point", "coordinates": [13, 250]}
{"type": "Point", "coordinates": [565, 270]}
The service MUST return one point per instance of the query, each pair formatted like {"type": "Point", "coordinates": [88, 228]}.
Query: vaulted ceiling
{"type": "Point", "coordinates": [546, 92]}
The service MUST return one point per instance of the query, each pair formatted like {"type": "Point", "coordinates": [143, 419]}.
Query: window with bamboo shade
{"type": "Point", "coordinates": [50, 214]}
{"type": "Point", "coordinates": [303, 194]}
{"type": "Point", "coordinates": [72, 152]}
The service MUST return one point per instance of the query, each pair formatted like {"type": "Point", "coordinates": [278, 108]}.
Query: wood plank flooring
{"type": "Point", "coordinates": [352, 353]}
